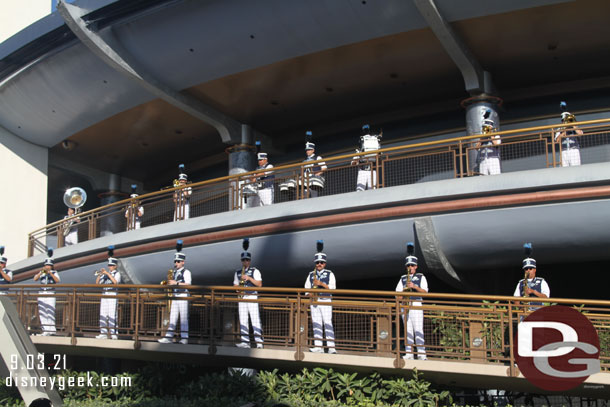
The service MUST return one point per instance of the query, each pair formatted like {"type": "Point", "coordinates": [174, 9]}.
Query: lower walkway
{"type": "Point", "coordinates": [468, 339]}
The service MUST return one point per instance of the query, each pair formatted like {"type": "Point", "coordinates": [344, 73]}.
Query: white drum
{"type": "Point", "coordinates": [250, 190]}
{"type": "Point", "coordinates": [288, 185]}
{"type": "Point", "coordinates": [316, 181]}
{"type": "Point", "coordinates": [369, 143]}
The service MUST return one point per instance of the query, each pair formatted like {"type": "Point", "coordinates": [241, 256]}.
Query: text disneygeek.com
{"type": "Point", "coordinates": [61, 382]}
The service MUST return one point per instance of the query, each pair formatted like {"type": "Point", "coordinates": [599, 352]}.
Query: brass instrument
{"type": "Point", "coordinates": [315, 277]}
{"type": "Point", "coordinates": [242, 280]}
{"type": "Point", "coordinates": [73, 198]}
{"type": "Point", "coordinates": [98, 273]}
{"type": "Point", "coordinates": [406, 287]}
{"type": "Point", "coordinates": [176, 183]}
{"type": "Point", "coordinates": [525, 284]}
{"type": "Point", "coordinates": [170, 276]}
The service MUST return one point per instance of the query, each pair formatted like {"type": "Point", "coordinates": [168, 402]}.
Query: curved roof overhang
{"type": "Point", "coordinates": [277, 65]}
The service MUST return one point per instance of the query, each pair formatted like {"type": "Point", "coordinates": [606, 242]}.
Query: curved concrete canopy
{"type": "Point", "coordinates": [221, 50]}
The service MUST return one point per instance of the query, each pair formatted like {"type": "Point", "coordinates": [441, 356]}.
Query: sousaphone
{"type": "Point", "coordinates": [73, 198]}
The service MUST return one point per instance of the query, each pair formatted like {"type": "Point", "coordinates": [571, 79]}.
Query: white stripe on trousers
{"type": "Point", "coordinates": [179, 308]}
{"type": "Point", "coordinates": [250, 309]}
{"type": "Point", "coordinates": [322, 316]}
{"type": "Point", "coordinates": [46, 310]}
{"type": "Point", "coordinates": [108, 314]}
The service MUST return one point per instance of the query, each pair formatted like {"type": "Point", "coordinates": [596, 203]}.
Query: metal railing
{"type": "Point", "coordinates": [471, 328]}
{"type": "Point", "coordinates": [524, 149]}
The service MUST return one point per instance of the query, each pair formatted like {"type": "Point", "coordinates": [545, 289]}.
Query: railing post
{"type": "Point", "coordinates": [60, 236]}
{"type": "Point", "coordinates": [212, 346]}
{"type": "Point", "coordinates": [375, 174]}
{"type": "Point", "coordinates": [553, 152]}
{"type": "Point", "coordinates": [511, 368]}
{"type": "Point", "coordinates": [461, 155]}
{"type": "Point", "coordinates": [92, 226]}
{"type": "Point", "coordinates": [398, 363]}
{"type": "Point", "coordinates": [30, 245]}
{"type": "Point", "coordinates": [136, 332]}
{"type": "Point", "coordinates": [300, 329]}
{"type": "Point", "coordinates": [73, 319]}
{"type": "Point", "coordinates": [384, 324]}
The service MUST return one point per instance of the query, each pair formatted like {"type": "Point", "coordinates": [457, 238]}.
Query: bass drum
{"type": "Point", "coordinates": [250, 190]}
{"type": "Point", "coordinates": [289, 185]}
{"type": "Point", "coordinates": [316, 182]}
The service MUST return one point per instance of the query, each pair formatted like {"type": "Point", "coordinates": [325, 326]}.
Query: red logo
{"type": "Point", "coordinates": [557, 348]}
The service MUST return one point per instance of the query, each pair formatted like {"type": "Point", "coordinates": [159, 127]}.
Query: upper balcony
{"type": "Point", "coordinates": [416, 163]}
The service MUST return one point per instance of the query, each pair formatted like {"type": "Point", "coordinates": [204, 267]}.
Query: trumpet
{"type": "Point", "coordinates": [525, 284]}
{"type": "Point", "coordinates": [97, 273]}
{"type": "Point", "coordinates": [176, 183]}
{"type": "Point", "coordinates": [170, 276]}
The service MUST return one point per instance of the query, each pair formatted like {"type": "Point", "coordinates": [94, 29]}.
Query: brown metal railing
{"type": "Point", "coordinates": [456, 327]}
{"type": "Point", "coordinates": [523, 149]}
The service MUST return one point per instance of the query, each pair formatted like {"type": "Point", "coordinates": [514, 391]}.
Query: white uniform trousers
{"type": "Point", "coordinates": [186, 212]}
{"type": "Point", "coordinates": [322, 318]}
{"type": "Point", "coordinates": [179, 308]}
{"type": "Point", "coordinates": [46, 310]}
{"type": "Point", "coordinates": [570, 157]}
{"type": "Point", "coordinates": [265, 197]}
{"type": "Point", "coordinates": [72, 238]}
{"type": "Point", "coordinates": [490, 166]}
{"type": "Point", "coordinates": [108, 314]}
{"type": "Point", "coordinates": [250, 309]}
{"type": "Point", "coordinates": [366, 180]}
{"type": "Point", "coordinates": [415, 331]}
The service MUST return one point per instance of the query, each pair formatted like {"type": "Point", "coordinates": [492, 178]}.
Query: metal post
{"type": "Point", "coordinates": [511, 368]}
{"type": "Point", "coordinates": [17, 346]}
{"type": "Point", "coordinates": [74, 317]}
{"type": "Point", "coordinates": [136, 332]}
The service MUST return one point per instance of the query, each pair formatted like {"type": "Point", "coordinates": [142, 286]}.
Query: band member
{"type": "Point", "coordinates": [488, 147]}
{"type": "Point", "coordinates": [313, 172]}
{"type": "Point", "coordinates": [568, 138]}
{"type": "Point", "coordinates": [46, 305]}
{"type": "Point", "coordinates": [367, 174]}
{"type": "Point", "coordinates": [530, 285]}
{"type": "Point", "coordinates": [6, 276]}
{"type": "Point", "coordinates": [182, 197]}
{"type": "Point", "coordinates": [413, 281]}
{"type": "Point", "coordinates": [108, 305]}
{"type": "Point", "coordinates": [179, 308]}
{"type": "Point", "coordinates": [134, 211]}
{"type": "Point", "coordinates": [322, 315]}
{"type": "Point", "coordinates": [248, 276]}
{"type": "Point", "coordinates": [71, 228]}
{"type": "Point", "coordinates": [264, 179]}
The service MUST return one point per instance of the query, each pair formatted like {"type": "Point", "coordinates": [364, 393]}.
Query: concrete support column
{"type": "Point", "coordinates": [475, 107]}
{"type": "Point", "coordinates": [241, 159]}
{"type": "Point", "coordinates": [24, 169]}
{"type": "Point", "coordinates": [115, 223]}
